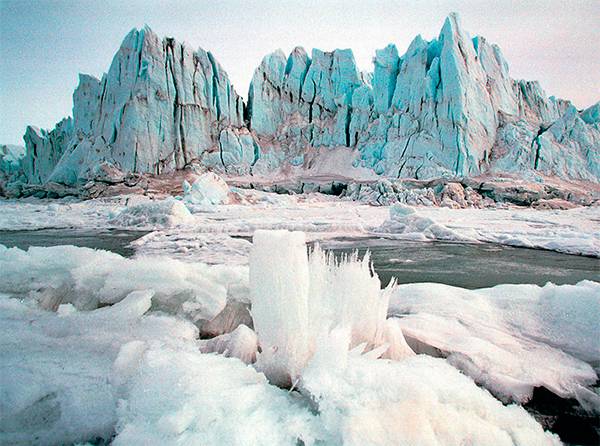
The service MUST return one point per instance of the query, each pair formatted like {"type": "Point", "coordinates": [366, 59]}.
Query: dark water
{"type": "Point", "coordinates": [109, 240]}
{"type": "Point", "coordinates": [468, 265]}
{"type": "Point", "coordinates": [463, 265]}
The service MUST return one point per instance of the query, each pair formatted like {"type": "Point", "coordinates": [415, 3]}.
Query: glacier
{"type": "Point", "coordinates": [159, 106]}
{"type": "Point", "coordinates": [447, 108]}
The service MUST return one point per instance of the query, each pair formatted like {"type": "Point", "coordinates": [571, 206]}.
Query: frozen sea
{"type": "Point", "coordinates": [147, 338]}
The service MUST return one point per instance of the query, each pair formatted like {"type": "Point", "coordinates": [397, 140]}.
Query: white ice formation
{"type": "Point", "coordinates": [208, 189]}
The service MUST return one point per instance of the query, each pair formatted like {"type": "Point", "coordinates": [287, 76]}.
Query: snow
{"type": "Point", "coordinates": [207, 189]}
{"type": "Point", "coordinates": [509, 338]}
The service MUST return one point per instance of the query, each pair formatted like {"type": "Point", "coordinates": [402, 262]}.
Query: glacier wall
{"type": "Point", "coordinates": [160, 106]}
{"type": "Point", "coordinates": [446, 108]}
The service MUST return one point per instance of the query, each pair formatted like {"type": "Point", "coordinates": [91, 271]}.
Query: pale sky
{"type": "Point", "coordinates": [45, 44]}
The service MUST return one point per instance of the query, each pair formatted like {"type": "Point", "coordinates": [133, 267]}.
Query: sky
{"type": "Point", "coordinates": [44, 44]}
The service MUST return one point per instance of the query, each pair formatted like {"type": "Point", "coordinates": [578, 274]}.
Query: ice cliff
{"type": "Point", "coordinates": [446, 108]}
{"type": "Point", "coordinates": [160, 106]}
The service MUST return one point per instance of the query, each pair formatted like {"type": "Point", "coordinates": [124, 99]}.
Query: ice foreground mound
{"type": "Point", "coordinates": [447, 107]}
{"type": "Point", "coordinates": [510, 338]}
{"type": "Point", "coordinates": [180, 396]}
{"type": "Point", "coordinates": [55, 368]}
{"type": "Point", "coordinates": [123, 374]}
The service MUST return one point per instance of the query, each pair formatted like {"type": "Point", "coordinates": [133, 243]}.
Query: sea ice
{"type": "Point", "coordinates": [180, 396]}
{"type": "Point", "coordinates": [88, 278]}
{"type": "Point", "coordinates": [407, 222]}
{"type": "Point", "coordinates": [416, 401]}
{"type": "Point", "coordinates": [509, 338]}
{"type": "Point", "coordinates": [572, 231]}
{"type": "Point", "coordinates": [76, 376]}
{"type": "Point", "coordinates": [154, 214]}
{"type": "Point", "coordinates": [55, 368]}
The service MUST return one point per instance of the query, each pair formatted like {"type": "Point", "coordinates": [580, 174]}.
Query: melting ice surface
{"type": "Point", "coordinates": [136, 372]}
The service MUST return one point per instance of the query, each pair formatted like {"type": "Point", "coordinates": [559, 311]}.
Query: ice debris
{"type": "Point", "coordinates": [509, 338]}
{"type": "Point", "coordinates": [207, 189]}
{"type": "Point", "coordinates": [153, 214]}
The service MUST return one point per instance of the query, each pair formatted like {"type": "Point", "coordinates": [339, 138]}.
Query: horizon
{"type": "Point", "coordinates": [39, 90]}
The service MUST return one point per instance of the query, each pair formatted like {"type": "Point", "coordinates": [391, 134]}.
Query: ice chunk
{"type": "Point", "coordinates": [54, 368]}
{"type": "Point", "coordinates": [153, 214]}
{"type": "Point", "coordinates": [296, 299]}
{"type": "Point", "coordinates": [279, 291]}
{"type": "Point", "coordinates": [234, 314]}
{"type": "Point", "coordinates": [397, 348]}
{"type": "Point", "coordinates": [241, 343]}
{"type": "Point", "coordinates": [510, 338]}
{"type": "Point", "coordinates": [347, 293]}
{"type": "Point", "coordinates": [181, 396]}
{"type": "Point", "coordinates": [87, 278]}
{"type": "Point", "coordinates": [207, 190]}
{"type": "Point", "coordinates": [419, 400]}
{"type": "Point", "coordinates": [407, 222]}
{"type": "Point", "coordinates": [192, 245]}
